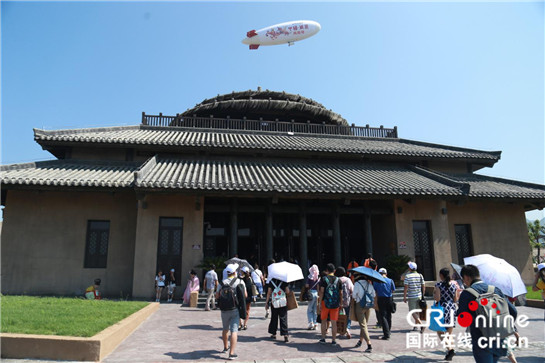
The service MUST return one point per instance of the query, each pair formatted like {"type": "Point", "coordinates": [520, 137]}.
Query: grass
{"type": "Point", "coordinates": [62, 316]}
{"type": "Point", "coordinates": [533, 294]}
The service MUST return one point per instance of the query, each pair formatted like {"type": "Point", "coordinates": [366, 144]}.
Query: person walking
{"type": "Point", "coordinates": [444, 295]}
{"type": "Point", "coordinates": [210, 285]}
{"type": "Point", "coordinates": [385, 300]}
{"type": "Point", "coordinates": [259, 282]}
{"type": "Point", "coordinates": [171, 285]}
{"type": "Point", "coordinates": [365, 298]}
{"type": "Point", "coordinates": [312, 285]}
{"type": "Point", "coordinates": [414, 287]}
{"type": "Point", "coordinates": [347, 288]}
{"type": "Point", "coordinates": [471, 277]}
{"type": "Point", "coordinates": [159, 285]}
{"type": "Point", "coordinates": [193, 284]}
{"type": "Point", "coordinates": [267, 286]}
{"type": "Point", "coordinates": [229, 293]}
{"type": "Point", "coordinates": [539, 281]}
{"type": "Point", "coordinates": [249, 295]}
{"type": "Point", "coordinates": [329, 302]}
{"type": "Point", "coordinates": [276, 297]}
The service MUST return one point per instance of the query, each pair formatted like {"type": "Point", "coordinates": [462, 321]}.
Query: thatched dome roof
{"type": "Point", "coordinates": [268, 105]}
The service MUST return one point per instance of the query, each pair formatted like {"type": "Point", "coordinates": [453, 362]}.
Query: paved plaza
{"type": "Point", "coordinates": [185, 334]}
{"type": "Point", "coordinates": [188, 334]}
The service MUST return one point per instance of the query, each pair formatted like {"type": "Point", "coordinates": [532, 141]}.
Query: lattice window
{"type": "Point", "coordinates": [96, 247]}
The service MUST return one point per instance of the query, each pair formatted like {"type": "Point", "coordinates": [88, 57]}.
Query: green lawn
{"type": "Point", "coordinates": [533, 294]}
{"type": "Point", "coordinates": [62, 316]}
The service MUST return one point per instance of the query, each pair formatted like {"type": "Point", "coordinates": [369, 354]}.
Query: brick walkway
{"type": "Point", "coordinates": [185, 334]}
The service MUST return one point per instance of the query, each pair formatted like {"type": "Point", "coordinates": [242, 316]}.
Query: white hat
{"type": "Point", "coordinates": [412, 265]}
{"type": "Point", "coordinates": [382, 270]}
{"type": "Point", "coordinates": [541, 266]}
{"type": "Point", "coordinates": [245, 269]}
{"type": "Point", "coordinates": [231, 268]}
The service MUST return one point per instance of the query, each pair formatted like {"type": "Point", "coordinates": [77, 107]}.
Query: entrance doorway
{"type": "Point", "coordinates": [423, 249]}
{"type": "Point", "coordinates": [169, 246]}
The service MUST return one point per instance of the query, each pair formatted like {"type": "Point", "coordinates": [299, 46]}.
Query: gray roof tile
{"type": "Point", "coordinates": [213, 138]}
{"type": "Point", "coordinates": [70, 173]}
{"type": "Point", "coordinates": [260, 175]}
{"type": "Point", "coordinates": [288, 176]}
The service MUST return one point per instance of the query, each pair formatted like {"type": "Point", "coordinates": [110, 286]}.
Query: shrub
{"type": "Point", "coordinates": [396, 265]}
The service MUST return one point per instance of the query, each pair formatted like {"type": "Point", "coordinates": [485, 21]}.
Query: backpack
{"type": "Point", "coordinates": [346, 293]}
{"type": "Point", "coordinates": [368, 300]}
{"type": "Point", "coordinates": [331, 294]}
{"type": "Point", "coordinates": [494, 313]}
{"type": "Point", "coordinates": [228, 296]}
{"type": "Point", "coordinates": [278, 297]}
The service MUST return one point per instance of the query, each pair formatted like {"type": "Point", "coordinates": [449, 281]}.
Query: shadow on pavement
{"type": "Point", "coordinates": [196, 355]}
{"type": "Point", "coordinates": [203, 327]}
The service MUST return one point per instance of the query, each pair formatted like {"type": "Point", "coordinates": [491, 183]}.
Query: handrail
{"type": "Point", "coordinates": [266, 125]}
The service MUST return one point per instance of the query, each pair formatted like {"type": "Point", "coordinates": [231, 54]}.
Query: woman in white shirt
{"type": "Point", "coordinates": [365, 298]}
{"type": "Point", "coordinates": [159, 285]}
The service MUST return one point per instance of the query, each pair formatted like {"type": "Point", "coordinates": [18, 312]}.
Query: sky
{"type": "Point", "coordinates": [462, 73]}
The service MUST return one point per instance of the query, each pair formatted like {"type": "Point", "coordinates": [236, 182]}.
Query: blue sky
{"type": "Point", "coordinates": [461, 73]}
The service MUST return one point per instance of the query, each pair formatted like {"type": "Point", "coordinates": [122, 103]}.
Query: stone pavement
{"type": "Point", "coordinates": [186, 334]}
{"type": "Point", "coordinates": [177, 333]}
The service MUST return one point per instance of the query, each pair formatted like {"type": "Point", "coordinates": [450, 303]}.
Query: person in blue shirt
{"type": "Point", "coordinates": [385, 301]}
{"type": "Point", "coordinates": [472, 278]}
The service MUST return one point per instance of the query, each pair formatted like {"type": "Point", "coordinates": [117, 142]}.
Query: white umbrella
{"type": "Point", "coordinates": [498, 272]}
{"type": "Point", "coordinates": [284, 271]}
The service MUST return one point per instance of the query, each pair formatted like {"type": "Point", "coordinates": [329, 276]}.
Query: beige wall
{"type": "Point", "coordinates": [44, 237]}
{"type": "Point", "coordinates": [429, 210]}
{"type": "Point", "coordinates": [147, 232]}
{"type": "Point", "coordinates": [498, 229]}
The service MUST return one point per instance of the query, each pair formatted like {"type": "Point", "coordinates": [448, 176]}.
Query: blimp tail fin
{"type": "Point", "coordinates": [254, 46]}
{"type": "Point", "coordinates": [251, 33]}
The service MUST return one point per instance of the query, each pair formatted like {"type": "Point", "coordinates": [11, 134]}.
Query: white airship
{"type": "Point", "coordinates": [289, 32]}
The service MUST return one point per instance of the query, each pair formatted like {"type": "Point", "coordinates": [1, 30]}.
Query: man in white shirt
{"type": "Point", "coordinates": [211, 284]}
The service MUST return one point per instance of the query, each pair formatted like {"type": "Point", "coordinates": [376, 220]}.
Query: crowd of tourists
{"type": "Point", "coordinates": [338, 296]}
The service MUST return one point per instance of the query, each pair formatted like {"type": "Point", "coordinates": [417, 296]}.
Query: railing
{"type": "Point", "coordinates": [263, 125]}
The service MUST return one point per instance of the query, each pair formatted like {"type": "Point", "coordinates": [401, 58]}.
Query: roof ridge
{"type": "Point", "coordinates": [42, 132]}
{"type": "Point", "coordinates": [449, 147]}
{"type": "Point", "coordinates": [442, 178]}
{"type": "Point", "coordinates": [503, 180]}
{"type": "Point", "coordinates": [35, 164]}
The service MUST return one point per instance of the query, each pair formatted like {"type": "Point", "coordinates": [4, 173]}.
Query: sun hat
{"type": "Point", "coordinates": [231, 268]}
{"type": "Point", "coordinates": [541, 266]}
{"type": "Point", "coordinates": [412, 265]}
{"type": "Point", "coordinates": [245, 269]}
{"type": "Point", "coordinates": [382, 270]}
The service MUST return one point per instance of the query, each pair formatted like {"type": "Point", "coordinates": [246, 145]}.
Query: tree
{"type": "Point", "coordinates": [536, 234]}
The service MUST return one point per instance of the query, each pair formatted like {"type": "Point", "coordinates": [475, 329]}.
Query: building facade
{"type": "Point", "coordinates": [257, 174]}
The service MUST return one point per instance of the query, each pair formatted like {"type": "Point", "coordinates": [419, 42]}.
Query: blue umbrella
{"type": "Point", "coordinates": [371, 274]}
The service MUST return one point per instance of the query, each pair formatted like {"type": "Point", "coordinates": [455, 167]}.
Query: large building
{"type": "Point", "coordinates": [260, 174]}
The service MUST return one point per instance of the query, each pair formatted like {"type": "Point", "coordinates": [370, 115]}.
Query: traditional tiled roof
{"type": "Point", "coordinates": [491, 187]}
{"type": "Point", "coordinates": [272, 104]}
{"type": "Point", "coordinates": [292, 176]}
{"type": "Point", "coordinates": [287, 176]}
{"type": "Point", "coordinates": [70, 173]}
{"type": "Point", "coordinates": [213, 138]}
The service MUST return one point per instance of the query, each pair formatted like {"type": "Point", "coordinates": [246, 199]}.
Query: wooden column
{"type": "Point", "coordinates": [233, 240]}
{"type": "Point", "coordinates": [368, 233]}
{"type": "Point", "coordinates": [336, 235]}
{"type": "Point", "coordinates": [303, 241]}
{"type": "Point", "coordinates": [269, 231]}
